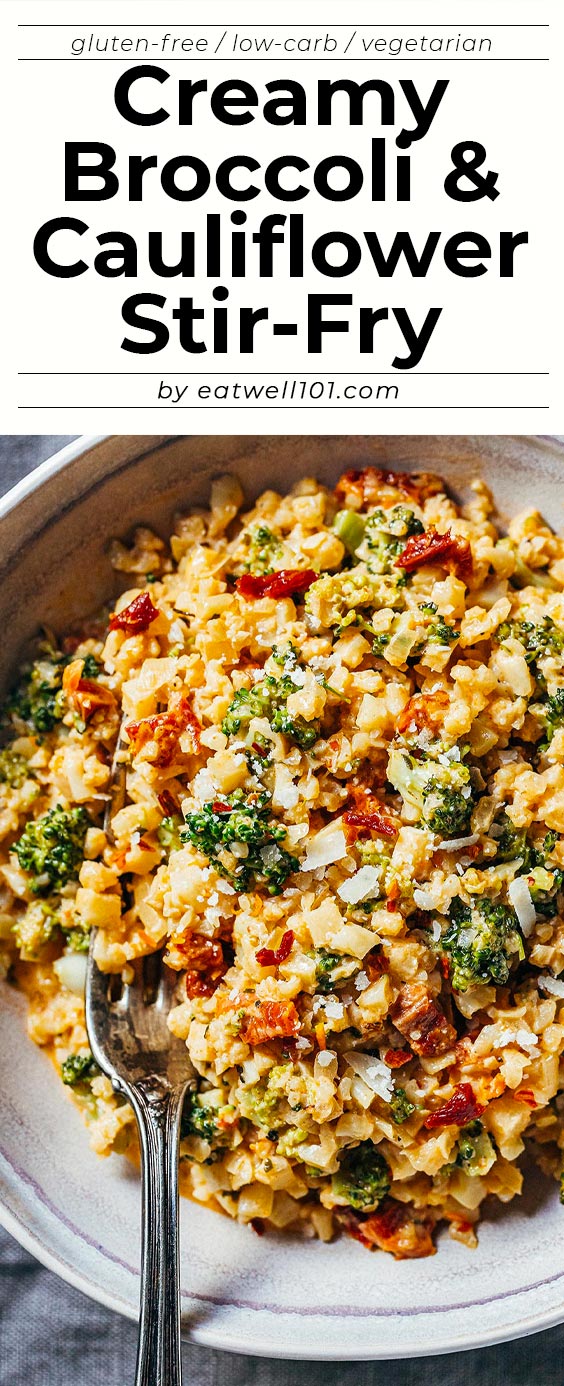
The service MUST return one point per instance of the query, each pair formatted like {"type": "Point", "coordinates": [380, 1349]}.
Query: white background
{"type": "Point", "coordinates": [487, 325]}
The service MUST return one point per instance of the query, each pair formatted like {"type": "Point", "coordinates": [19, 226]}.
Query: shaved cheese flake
{"type": "Point", "coordinates": [373, 1072]}
{"type": "Point", "coordinates": [327, 846]}
{"type": "Point", "coordinates": [456, 844]}
{"type": "Point", "coordinates": [362, 886]}
{"type": "Point", "coordinates": [521, 899]}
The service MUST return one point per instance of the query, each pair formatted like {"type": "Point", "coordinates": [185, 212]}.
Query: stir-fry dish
{"type": "Point", "coordinates": [340, 716]}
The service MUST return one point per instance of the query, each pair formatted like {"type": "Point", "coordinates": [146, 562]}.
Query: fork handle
{"type": "Point", "coordinates": [158, 1110]}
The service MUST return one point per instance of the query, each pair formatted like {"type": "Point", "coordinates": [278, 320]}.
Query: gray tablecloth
{"type": "Point", "coordinates": [51, 1335]}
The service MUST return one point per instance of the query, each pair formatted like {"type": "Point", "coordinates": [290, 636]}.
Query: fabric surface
{"type": "Point", "coordinates": [52, 1335]}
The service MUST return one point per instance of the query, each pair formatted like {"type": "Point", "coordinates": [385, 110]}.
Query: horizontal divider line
{"type": "Point", "coordinates": [323, 405]}
{"type": "Point", "coordinates": [395, 375]}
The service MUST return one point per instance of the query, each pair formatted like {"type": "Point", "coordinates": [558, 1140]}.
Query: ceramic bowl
{"type": "Point", "coordinates": [273, 1296]}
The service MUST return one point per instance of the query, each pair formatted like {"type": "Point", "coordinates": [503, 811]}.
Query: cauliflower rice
{"type": "Point", "coordinates": [342, 726]}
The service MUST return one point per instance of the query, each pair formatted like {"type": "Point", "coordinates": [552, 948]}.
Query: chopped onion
{"type": "Point", "coordinates": [521, 899]}
{"type": "Point", "coordinates": [327, 846]}
{"type": "Point", "coordinates": [455, 844]}
{"type": "Point", "coordinates": [362, 886]}
{"type": "Point", "coordinates": [373, 1072]}
{"type": "Point", "coordinates": [553, 985]}
{"type": "Point", "coordinates": [71, 971]}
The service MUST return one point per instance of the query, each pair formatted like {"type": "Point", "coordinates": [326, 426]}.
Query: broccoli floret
{"type": "Point", "coordinates": [221, 826]}
{"type": "Point", "coordinates": [538, 640]}
{"type": "Point", "coordinates": [78, 940]}
{"type": "Point", "coordinates": [440, 633]}
{"type": "Point", "coordinates": [264, 547]}
{"type": "Point", "coordinates": [78, 1069]}
{"type": "Point", "coordinates": [400, 1106]}
{"type": "Point", "coordinates": [381, 550]}
{"type": "Point", "coordinates": [442, 793]}
{"type": "Point", "coordinates": [14, 769]}
{"type": "Point", "coordinates": [363, 1178]}
{"type": "Point", "coordinates": [261, 1102]}
{"type": "Point", "coordinates": [551, 715]}
{"type": "Point", "coordinates": [168, 833]}
{"type": "Point", "coordinates": [545, 887]}
{"type": "Point", "coordinates": [379, 643]}
{"type": "Point", "coordinates": [38, 699]}
{"type": "Point", "coordinates": [91, 668]}
{"type": "Point", "coordinates": [511, 842]}
{"type": "Point", "coordinates": [481, 942]}
{"type": "Point", "coordinates": [35, 928]}
{"type": "Point", "coordinates": [51, 848]}
{"type": "Point", "coordinates": [476, 1153]}
{"type": "Point", "coordinates": [269, 699]}
{"type": "Point", "coordinates": [247, 703]}
{"type": "Point", "coordinates": [286, 655]}
{"type": "Point", "coordinates": [445, 809]}
{"type": "Point", "coordinates": [326, 964]}
{"type": "Point", "coordinates": [385, 537]}
{"type": "Point", "coordinates": [259, 754]}
{"type": "Point", "coordinates": [198, 1118]}
{"type": "Point", "coordinates": [399, 521]}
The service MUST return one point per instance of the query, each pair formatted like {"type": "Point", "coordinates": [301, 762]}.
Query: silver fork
{"type": "Point", "coordinates": [132, 1044]}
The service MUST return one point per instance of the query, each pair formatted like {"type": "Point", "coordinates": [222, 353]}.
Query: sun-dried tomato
{"type": "Point", "coordinates": [205, 964]}
{"type": "Point", "coordinates": [270, 1020]}
{"type": "Point", "coordinates": [272, 957]}
{"type": "Point", "coordinates": [461, 1108]}
{"type": "Point", "coordinates": [372, 818]}
{"type": "Point", "coordinates": [375, 964]}
{"type": "Point", "coordinates": [394, 895]}
{"type": "Point", "coordinates": [448, 550]}
{"type": "Point", "coordinates": [395, 1227]}
{"type": "Point", "coordinates": [371, 486]}
{"type": "Point", "coordinates": [288, 582]}
{"type": "Point", "coordinates": [85, 696]}
{"type": "Point", "coordinates": [525, 1095]}
{"type": "Point", "coordinates": [165, 729]}
{"type": "Point", "coordinates": [424, 711]}
{"type": "Point", "coordinates": [138, 616]}
{"type": "Point", "coordinates": [396, 1058]}
{"type": "Point", "coordinates": [419, 1018]}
